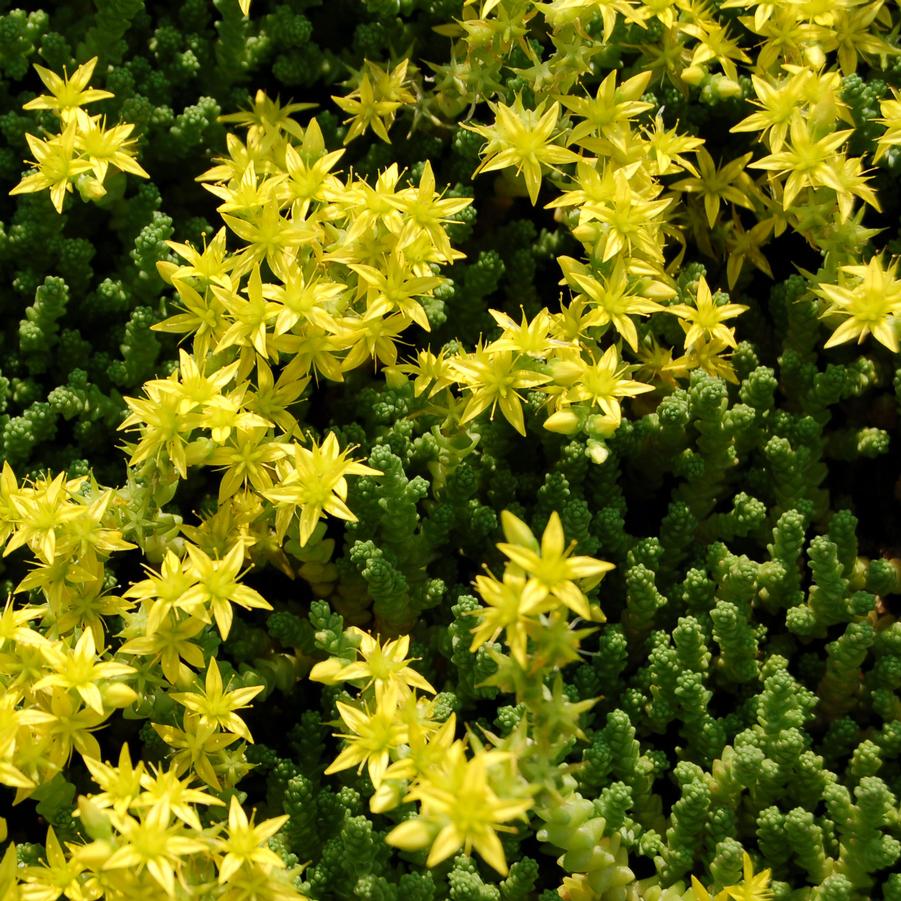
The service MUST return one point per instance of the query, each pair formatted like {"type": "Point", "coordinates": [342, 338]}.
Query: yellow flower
{"type": "Point", "coordinates": [891, 119]}
{"type": "Point", "coordinates": [246, 458]}
{"type": "Point", "coordinates": [194, 746]}
{"type": "Point", "coordinates": [375, 101]}
{"type": "Point", "coordinates": [857, 36]}
{"type": "Point", "coordinates": [460, 810]}
{"type": "Point", "coordinates": [777, 103]}
{"type": "Point", "coordinates": [511, 603]}
{"type": "Point", "coordinates": [809, 159]}
{"type": "Point", "coordinates": [13, 626]}
{"type": "Point", "coordinates": [373, 735]}
{"type": "Point", "coordinates": [218, 587]}
{"type": "Point", "coordinates": [613, 298]}
{"type": "Point", "coordinates": [431, 371]}
{"type": "Point", "coordinates": [71, 728]}
{"type": "Point", "coordinates": [168, 645]}
{"type": "Point", "coordinates": [667, 148]}
{"type": "Point", "coordinates": [316, 481]}
{"type": "Point", "coordinates": [57, 166]}
{"type": "Point", "coordinates": [846, 177]}
{"type": "Point", "coordinates": [382, 664]}
{"type": "Point", "coordinates": [246, 192]}
{"type": "Point", "coordinates": [120, 784]}
{"type": "Point", "coordinates": [427, 743]}
{"type": "Point", "coordinates": [270, 237]}
{"type": "Point", "coordinates": [714, 43]}
{"type": "Point", "coordinates": [251, 313]}
{"type": "Point", "coordinates": [493, 379]}
{"type": "Point", "coordinates": [204, 315]}
{"type": "Point", "coordinates": [701, 893]}
{"type": "Point", "coordinates": [394, 286]}
{"type": "Point", "coordinates": [9, 876]}
{"type": "Point", "coordinates": [272, 398]}
{"type": "Point", "coordinates": [753, 887]}
{"type": "Point", "coordinates": [215, 707]}
{"type": "Point", "coordinates": [162, 590]}
{"type": "Point", "coordinates": [707, 318]}
{"type": "Point", "coordinates": [532, 338]}
{"type": "Point", "coordinates": [525, 139]}
{"type": "Point", "coordinates": [871, 303]}
{"type": "Point", "coordinates": [561, 13]}
{"type": "Point", "coordinates": [626, 220]}
{"type": "Point", "coordinates": [714, 185]}
{"type": "Point", "coordinates": [245, 843]}
{"type": "Point", "coordinates": [9, 490]}
{"type": "Point", "coordinates": [67, 94]}
{"type": "Point", "coordinates": [370, 336]}
{"type": "Point", "coordinates": [12, 721]}
{"type": "Point", "coordinates": [164, 788]}
{"type": "Point", "coordinates": [308, 170]}
{"type": "Point", "coordinates": [600, 382]}
{"type": "Point", "coordinates": [657, 363]}
{"type": "Point", "coordinates": [301, 298]}
{"type": "Point", "coordinates": [610, 106]}
{"type": "Point", "coordinates": [210, 265]}
{"type": "Point", "coordinates": [708, 356]}
{"type": "Point", "coordinates": [85, 144]}
{"type": "Point", "coordinates": [59, 876]}
{"type": "Point", "coordinates": [744, 245]}
{"type": "Point", "coordinates": [266, 118]}
{"type": "Point", "coordinates": [164, 425]}
{"type": "Point", "coordinates": [551, 568]}
{"type": "Point", "coordinates": [426, 212]}
{"type": "Point", "coordinates": [104, 147]}
{"type": "Point", "coordinates": [80, 668]}
{"type": "Point", "coordinates": [156, 843]}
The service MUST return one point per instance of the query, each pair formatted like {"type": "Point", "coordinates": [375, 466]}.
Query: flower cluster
{"type": "Point", "coordinates": [64, 676]}
{"type": "Point", "coordinates": [330, 274]}
{"type": "Point", "coordinates": [85, 150]}
{"type": "Point", "coordinates": [538, 584]}
{"type": "Point", "coordinates": [350, 328]}
{"type": "Point", "coordinates": [634, 191]}
{"type": "Point", "coordinates": [147, 839]}
{"type": "Point", "coordinates": [465, 799]}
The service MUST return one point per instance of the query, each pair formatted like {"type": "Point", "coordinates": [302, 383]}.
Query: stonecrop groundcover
{"type": "Point", "coordinates": [448, 450]}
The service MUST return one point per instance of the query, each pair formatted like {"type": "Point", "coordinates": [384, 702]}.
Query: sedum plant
{"type": "Point", "coordinates": [263, 662]}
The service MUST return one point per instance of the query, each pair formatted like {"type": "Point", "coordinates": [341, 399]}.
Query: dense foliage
{"type": "Point", "coordinates": [448, 450]}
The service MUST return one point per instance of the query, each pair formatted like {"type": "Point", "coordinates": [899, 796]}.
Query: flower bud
{"type": "Point", "coordinates": [390, 794]}
{"type": "Point", "coordinates": [599, 427]}
{"type": "Point", "coordinates": [564, 422]}
{"type": "Point", "coordinates": [89, 187]}
{"type": "Point", "coordinates": [394, 378]}
{"type": "Point", "coordinates": [95, 821]}
{"type": "Point", "coordinates": [598, 451]}
{"type": "Point", "coordinates": [693, 75]}
{"type": "Point", "coordinates": [117, 694]}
